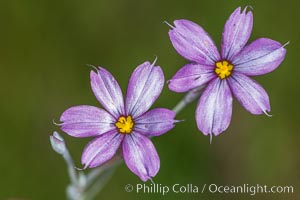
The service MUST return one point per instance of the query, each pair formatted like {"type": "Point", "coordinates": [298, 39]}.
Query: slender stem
{"type": "Point", "coordinates": [179, 106]}
{"type": "Point", "coordinates": [187, 99]}
{"type": "Point", "coordinates": [99, 170]}
{"type": "Point", "coordinates": [84, 187]}
{"type": "Point", "coordinates": [104, 176]}
{"type": "Point", "coordinates": [71, 168]}
{"type": "Point", "coordinates": [59, 146]}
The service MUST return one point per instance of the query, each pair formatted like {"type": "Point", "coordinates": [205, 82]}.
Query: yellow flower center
{"type": "Point", "coordinates": [125, 124]}
{"type": "Point", "coordinates": [223, 69]}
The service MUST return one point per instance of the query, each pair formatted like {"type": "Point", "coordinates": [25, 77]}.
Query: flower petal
{"type": "Point", "coordinates": [101, 149]}
{"type": "Point", "coordinates": [250, 94]}
{"type": "Point", "coordinates": [260, 57]}
{"type": "Point", "coordinates": [155, 122]}
{"type": "Point", "coordinates": [140, 156]}
{"type": "Point", "coordinates": [237, 31]}
{"type": "Point", "coordinates": [107, 91]}
{"type": "Point", "coordinates": [193, 43]}
{"type": "Point", "coordinates": [214, 109]}
{"type": "Point", "coordinates": [145, 85]}
{"type": "Point", "coordinates": [86, 121]}
{"type": "Point", "coordinates": [191, 76]}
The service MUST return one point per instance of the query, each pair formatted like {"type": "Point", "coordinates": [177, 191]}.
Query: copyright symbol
{"type": "Point", "coordinates": [128, 188]}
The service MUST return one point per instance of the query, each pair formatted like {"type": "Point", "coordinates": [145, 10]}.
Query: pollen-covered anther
{"type": "Point", "coordinates": [223, 69]}
{"type": "Point", "coordinates": [125, 124]}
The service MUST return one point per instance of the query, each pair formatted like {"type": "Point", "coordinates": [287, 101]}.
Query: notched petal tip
{"type": "Point", "coordinates": [145, 178]}
{"type": "Point", "coordinates": [155, 59]}
{"type": "Point", "coordinates": [144, 87]}
{"type": "Point", "coordinates": [238, 9]}
{"type": "Point", "coordinates": [152, 181]}
{"type": "Point", "coordinates": [92, 66]}
{"type": "Point", "coordinates": [154, 62]}
{"type": "Point", "coordinates": [193, 43]}
{"type": "Point", "coordinates": [86, 121]}
{"type": "Point", "coordinates": [237, 31]}
{"type": "Point", "coordinates": [251, 7]}
{"type": "Point", "coordinates": [95, 70]}
{"type": "Point", "coordinates": [57, 124]}
{"type": "Point", "coordinates": [251, 95]}
{"type": "Point", "coordinates": [171, 26]}
{"type": "Point", "coordinates": [156, 122]}
{"type": "Point", "coordinates": [260, 57]}
{"type": "Point", "coordinates": [287, 43]}
{"type": "Point", "coordinates": [93, 73]}
{"type": "Point", "coordinates": [107, 91]}
{"type": "Point", "coordinates": [246, 10]}
{"type": "Point", "coordinates": [268, 114]}
{"type": "Point", "coordinates": [141, 156]}
{"type": "Point", "coordinates": [81, 169]}
{"type": "Point", "coordinates": [214, 110]}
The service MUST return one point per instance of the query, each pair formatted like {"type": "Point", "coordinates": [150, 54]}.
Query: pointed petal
{"type": "Point", "coordinates": [101, 149]}
{"type": "Point", "coordinates": [250, 94]}
{"type": "Point", "coordinates": [155, 122]}
{"type": "Point", "coordinates": [193, 43]}
{"type": "Point", "coordinates": [145, 85]}
{"type": "Point", "coordinates": [191, 76]}
{"type": "Point", "coordinates": [86, 121]}
{"type": "Point", "coordinates": [140, 156]}
{"type": "Point", "coordinates": [214, 109]}
{"type": "Point", "coordinates": [107, 91]}
{"type": "Point", "coordinates": [260, 57]}
{"type": "Point", "coordinates": [237, 31]}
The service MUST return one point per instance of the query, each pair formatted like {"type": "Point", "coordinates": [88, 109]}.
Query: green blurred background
{"type": "Point", "coordinates": [44, 48]}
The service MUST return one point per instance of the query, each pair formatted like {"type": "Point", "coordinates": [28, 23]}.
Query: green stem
{"type": "Point", "coordinates": [103, 177]}
{"type": "Point", "coordinates": [187, 99]}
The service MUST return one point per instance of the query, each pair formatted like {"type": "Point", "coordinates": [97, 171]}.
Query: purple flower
{"type": "Point", "coordinates": [226, 73]}
{"type": "Point", "coordinates": [126, 125]}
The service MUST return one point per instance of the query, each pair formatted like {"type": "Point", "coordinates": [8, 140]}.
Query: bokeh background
{"type": "Point", "coordinates": [44, 48]}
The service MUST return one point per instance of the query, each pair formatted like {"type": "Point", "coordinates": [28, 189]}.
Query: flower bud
{"type": "Point", "coordinates": [58, 143]}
